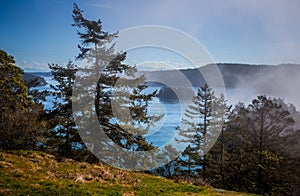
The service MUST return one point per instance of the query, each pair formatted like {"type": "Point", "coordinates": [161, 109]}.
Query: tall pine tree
{"type": "Point", "coordinates": [196, 130]}
{"type": "Point", "coordinates": [120, 104]}
{"type": "Point", "coordinates": [63, 136]}
{"type": "Point", "coordinates": [217, 155]}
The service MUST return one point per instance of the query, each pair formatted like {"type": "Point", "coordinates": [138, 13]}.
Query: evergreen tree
{"type": "Point", "coordinates": [291, 174]}
{"type": "Point", "coordinates": [256, 146]}
{"type": "Point", "coordinates": [217, 155]}
{"type": "Point", "coordinates": [167, 156]}
{"type": "Point", "coordinates": [116, 83]}
{"type": "Point", "coordinates": [20, 123]}
{"type": "Point", "coordinates": [13, 89]}
{"type": "Point", "coordinates": [63, 137]}
{"type": "Point", "coordinates": [197, 130]}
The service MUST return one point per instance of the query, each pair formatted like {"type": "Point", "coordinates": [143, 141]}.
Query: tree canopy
{"type": "Point", "coordinates": [20, 123]}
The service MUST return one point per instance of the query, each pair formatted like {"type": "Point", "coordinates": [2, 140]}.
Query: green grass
{"type": "Point", "coordinates": [37, 173]}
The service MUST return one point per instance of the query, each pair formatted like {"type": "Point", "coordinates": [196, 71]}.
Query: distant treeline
{"type": "Point", "coordinates": [232, 73]}
{"type": "Point", "coordinates": [34, 79]}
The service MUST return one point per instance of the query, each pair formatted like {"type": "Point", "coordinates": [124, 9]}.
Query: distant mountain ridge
{"type": "Point", "coordinates": [43, 74]}
{"type": "Point", "coordinates": [272, 80]}
{"type": "Point", "coordinates": [32, 80]}
{"type": "Point", "coordinates": [231, 72]}
{"type": "Point", "coordinates": [234, 74]}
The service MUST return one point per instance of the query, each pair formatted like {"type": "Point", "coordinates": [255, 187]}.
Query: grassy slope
{"type": "Point", "coordinates": [36, 173]}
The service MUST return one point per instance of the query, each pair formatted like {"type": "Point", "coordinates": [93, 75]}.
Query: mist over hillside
{"type": "Point", "coordinates": [248, 80]}
{"type": "Point", "coordinates": [233, 73]}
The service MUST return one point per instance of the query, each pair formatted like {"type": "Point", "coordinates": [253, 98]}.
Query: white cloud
{"type": "Point", "coordinates": [154, 65]}
{"type": "Point", "coordinates": [162, 65]}
{"type": "Point", "coordinates": [34, 67]}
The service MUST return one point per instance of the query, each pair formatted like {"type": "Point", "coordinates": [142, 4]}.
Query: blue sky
{"type": "Point", "coordinates": [38, 32]}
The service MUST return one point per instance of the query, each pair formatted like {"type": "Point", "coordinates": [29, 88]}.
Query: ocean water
{"type": "Point", "coordinates": [160, 133]}
{"type": "Point", "coordinates": [48, 104]}
{"type": "Point", "coordinates": [164, 131]}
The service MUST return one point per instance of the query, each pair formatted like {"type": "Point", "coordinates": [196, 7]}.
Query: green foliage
{"type": "Point", "coordinates": [92, 33]}
{"type": "Point", "coordinates": [21, 126]}
{"type": "Point", "coordinates": [170, 156]}
{"type": "Point", "coordinates": [195, 130]}
{"type": "Point", "coordinates": [63, 138]}
{"type": "Point", "coordinates": [12, 87]}
{"type": "Point", "coordinates": [217, 156]}
{"type": "Point", "coordinates": [255, 147]}
{"type": "Point", "coordinates": [120, 104]}
{"type": "Point", "coordinates": [201, 126]}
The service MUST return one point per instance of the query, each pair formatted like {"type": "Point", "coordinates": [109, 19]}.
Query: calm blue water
{"type": "Point", "coordinates": [161, 132]}
{"type": "Point", "coordinates": [164, 130]}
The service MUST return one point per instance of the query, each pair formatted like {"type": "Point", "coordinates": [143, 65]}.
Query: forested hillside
{"type": "Point", "coordinates": [234, 74]}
